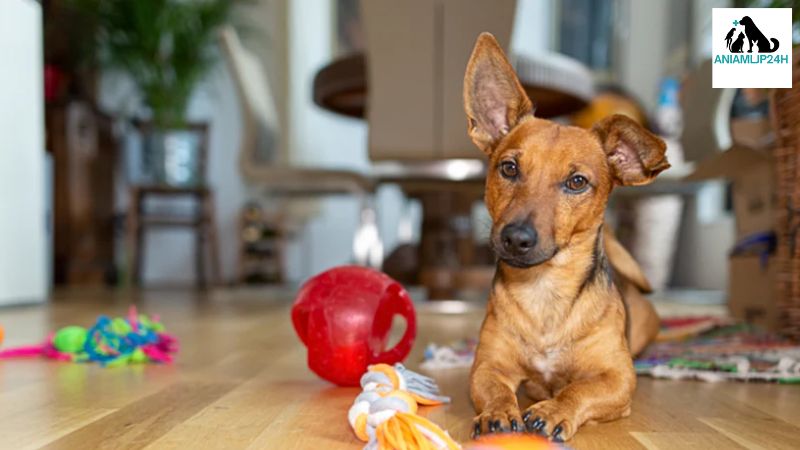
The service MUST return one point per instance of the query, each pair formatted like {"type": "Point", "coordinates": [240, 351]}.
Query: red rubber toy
{"type": "Point", "coordinates": [344, 315]}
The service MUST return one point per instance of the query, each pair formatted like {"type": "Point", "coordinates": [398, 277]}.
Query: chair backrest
{"type": "Point", "coordinates": [417, 51]}
{"type": "Point", "coordinates": [260, 136]}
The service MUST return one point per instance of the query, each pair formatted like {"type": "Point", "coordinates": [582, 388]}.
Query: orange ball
{"type": "Point", "coordinates": [606, 104]}
{"type": "Point", "coordinates": [512, 441]}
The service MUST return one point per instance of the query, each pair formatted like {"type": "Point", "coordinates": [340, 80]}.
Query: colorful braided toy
{"type": "Point", "coordinates": [134, 339]}
{"type": "Point", "coordinates": [384, 414]}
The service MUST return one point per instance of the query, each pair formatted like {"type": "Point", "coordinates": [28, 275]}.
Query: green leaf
{"type": "Point", "coordinates": [166, 46]}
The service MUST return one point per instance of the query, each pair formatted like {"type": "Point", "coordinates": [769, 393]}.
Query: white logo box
{"type": "Point", "coordinates": [752, 69]}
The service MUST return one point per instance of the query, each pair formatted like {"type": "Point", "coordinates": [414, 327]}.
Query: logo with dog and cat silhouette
{"type": "Point", "coordinates": [747, 50]}
{"type": "Point", "coordinates": [752, 36]}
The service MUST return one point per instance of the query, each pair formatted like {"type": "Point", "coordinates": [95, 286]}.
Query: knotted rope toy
{"type": "Point", "coordinates": [134, 339]}
{"type": "Point", "coordinates": [385, 416]}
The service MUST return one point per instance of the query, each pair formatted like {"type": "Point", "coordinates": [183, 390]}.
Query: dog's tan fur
{"type": "Point", "coordinates": [556, 325]}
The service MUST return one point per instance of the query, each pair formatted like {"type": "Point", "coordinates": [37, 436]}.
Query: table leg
{"type": "Point", "coordinates": [446, 242]}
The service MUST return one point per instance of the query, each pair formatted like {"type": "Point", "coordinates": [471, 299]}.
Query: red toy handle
{"type": "Point", "coordinates": [399, 303]}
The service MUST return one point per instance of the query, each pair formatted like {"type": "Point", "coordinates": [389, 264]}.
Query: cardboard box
{"type": "Point", "coordinates": [751, 290]}
{"type": "Point", "coordinates": [749, 166]}
{"type": "Point", "coordinates": [754, 195]}
{"type": "Point", "coordinates": [751, 284]}
{"type": "Point", "coordinates": [754, 133]}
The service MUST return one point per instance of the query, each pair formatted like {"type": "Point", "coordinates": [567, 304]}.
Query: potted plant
{"type": "Point", "coordinates": [165, 47]}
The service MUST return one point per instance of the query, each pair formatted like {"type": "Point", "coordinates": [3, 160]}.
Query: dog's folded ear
{"type": "Point", "coordinates": [635, 155]}
{"type": "Point", "coordinates": [494, 99]}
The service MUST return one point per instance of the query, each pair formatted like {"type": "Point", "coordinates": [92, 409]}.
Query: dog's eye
{"type": "Point", "coordinates": [509, 169]}
{"type": "Point", "coordinates": [577, 183]}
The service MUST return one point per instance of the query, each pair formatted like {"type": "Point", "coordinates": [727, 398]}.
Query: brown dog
{"type": "Point", "coordinates": [555, 322]}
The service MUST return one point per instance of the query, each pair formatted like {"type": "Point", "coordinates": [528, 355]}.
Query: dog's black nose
{"type": "Point", "coordinates": [518, 239]}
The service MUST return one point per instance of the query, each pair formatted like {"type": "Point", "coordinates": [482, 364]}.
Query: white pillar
{"type": "Point", "coordinates": [23, 265]}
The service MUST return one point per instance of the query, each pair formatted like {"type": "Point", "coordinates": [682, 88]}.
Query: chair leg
{"type": "Point", "coordinates": [207, 241]}
{"type": "Point", "coordinates": [199, 254]}
{"type": "Point", "coordinates": [134, 238]}
{"type": "Point", "coordinates": [213, 239]}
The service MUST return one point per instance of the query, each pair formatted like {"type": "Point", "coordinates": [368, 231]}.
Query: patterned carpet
{"type": "Point", "coordinates": [706, 348]}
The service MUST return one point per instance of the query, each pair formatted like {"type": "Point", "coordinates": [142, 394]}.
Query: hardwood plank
{"type": "Point", "coordinates": [318, 422]}
{"type": "Point", "coordinates": [689, 441]}
{"type": "Point", "coordinates": [775, 400]}
{"type": "Point", "coordinates": [240, 416]}
{"type": "Point", "coordinates": [144, 421]}
{"type": "Point", "coordinates": [35, 428]}
{"type": "Point", "coordinates": [606, 436]}
{"type": "Point", "coordinates": [241, 381]}
{"type": "Point", "coordinates": [767, 433]}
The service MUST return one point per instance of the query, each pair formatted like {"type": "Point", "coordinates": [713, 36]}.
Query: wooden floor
{"type": "Point", "coordinates": [241, 382]}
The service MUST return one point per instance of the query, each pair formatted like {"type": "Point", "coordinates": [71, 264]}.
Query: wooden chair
{"type": "Point", "coordinates": [201, 221]}
{"type": "Point", "coordinates": [261, 166]}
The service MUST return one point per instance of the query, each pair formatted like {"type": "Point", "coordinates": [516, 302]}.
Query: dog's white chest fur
{"type": "Point", "coordinates": [546, 363]}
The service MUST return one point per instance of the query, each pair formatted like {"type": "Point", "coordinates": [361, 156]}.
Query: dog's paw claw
{"type": "Point", "coordinates": [556, 435]}
{"type": "Point", "coordinates": [549, 420]}
{"type": "Point", "coordinates": [531, 424]}
{"type": "Point", "coordinates": [497, 422]}
{"type": "Point", "coordinates": [541, 425]}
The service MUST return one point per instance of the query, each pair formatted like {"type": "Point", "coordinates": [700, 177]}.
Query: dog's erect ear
{"type": "Point", "coordinates": [635, 155]}
{"type": "Point", "coordinates": [494, 99]}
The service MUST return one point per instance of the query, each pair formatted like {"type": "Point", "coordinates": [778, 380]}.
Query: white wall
{"type": "Point", "coordinates": [644, 49]}
{"type": "Point", "coordinates": [23, 270]}
{"type": "Point", "coordinates": [534, 27]}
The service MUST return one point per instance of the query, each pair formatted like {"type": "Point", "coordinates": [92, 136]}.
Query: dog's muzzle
{"type": "Point", "coordinates": [518, 240]}
{"type": "Point", "coordinates": [517, 246]}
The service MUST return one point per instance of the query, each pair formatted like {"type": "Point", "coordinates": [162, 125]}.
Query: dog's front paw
{"type": "Point", "coordinates": [549, 419]}
{"type": "Point", "coordinates": [498, 420]}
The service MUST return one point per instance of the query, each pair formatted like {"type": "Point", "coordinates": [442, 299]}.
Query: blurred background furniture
{"type": "Point", "coordinates": [408, 86]}
{"type": "Point", "coordinates": [261, 246]}
{"type": "Point", "coordinates": [707, 114]}
{"type": "Point", "coordinates": [84, 149]}
{"type": "Point", "coordinates": [786, 119]}
{"type": "Point", "coordinates": [261, 166]}
{"type": "Point", "coordinates": [200, 220]}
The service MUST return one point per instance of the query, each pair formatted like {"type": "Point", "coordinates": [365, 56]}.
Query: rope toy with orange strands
{"type": "Point", "coordinates": [385, 414]}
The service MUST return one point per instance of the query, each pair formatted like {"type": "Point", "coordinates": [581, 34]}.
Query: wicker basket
{"type": "Point", "coordinates": [786, 118]}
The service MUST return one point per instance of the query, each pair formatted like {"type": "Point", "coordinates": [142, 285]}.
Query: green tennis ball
{"type": "Point", "coordinates": [70, 339]}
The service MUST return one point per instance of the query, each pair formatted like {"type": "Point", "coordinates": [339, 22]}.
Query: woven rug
{"type": "Point", "coordinates": [702, 348]}
{"type": "Point", "coordinates": [720, 350]}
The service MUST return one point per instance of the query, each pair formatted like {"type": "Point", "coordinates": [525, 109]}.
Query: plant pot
{"type": "Point", "coordinates": [174, 157]}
